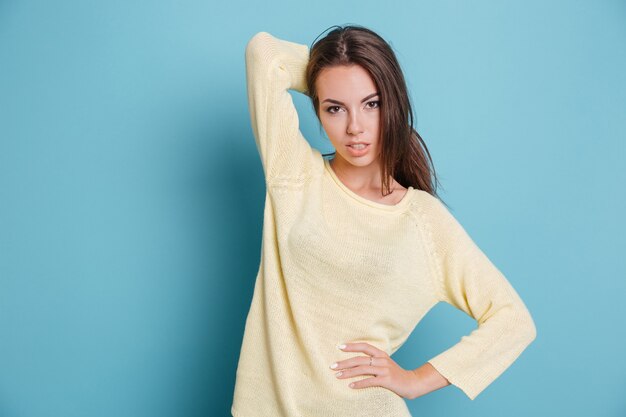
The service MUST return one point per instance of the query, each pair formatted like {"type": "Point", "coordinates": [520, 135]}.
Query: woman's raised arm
{"type": "Point", "coordinates": [274, 66]}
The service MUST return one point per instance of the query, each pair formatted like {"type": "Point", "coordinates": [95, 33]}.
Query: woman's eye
{"type": "Point", "coordinates": [371, 104]}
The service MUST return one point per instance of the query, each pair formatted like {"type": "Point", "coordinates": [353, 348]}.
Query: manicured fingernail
{"type": "Point", "coordinates": [338, 373]}
{"type": "Point", "coordinates": [334, 365]}
{"type": "Point", "coordinates": [342, 346]}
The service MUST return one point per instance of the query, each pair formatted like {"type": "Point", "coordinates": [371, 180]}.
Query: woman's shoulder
{"type": "Point", "coordinates": [425, 200]}
{"type": "Point", "coordinates": [430, 208]}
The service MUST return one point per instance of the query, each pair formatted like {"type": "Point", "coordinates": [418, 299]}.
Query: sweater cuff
{"type": "Point", "coordinates": [473, 373]}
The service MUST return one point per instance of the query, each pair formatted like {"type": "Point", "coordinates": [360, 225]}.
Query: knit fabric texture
{"type": "Point", "coordinates": [336, 267]}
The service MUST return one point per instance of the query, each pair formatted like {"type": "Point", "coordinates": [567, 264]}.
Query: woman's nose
{"type": "Point", "coordinates": [354, 125]}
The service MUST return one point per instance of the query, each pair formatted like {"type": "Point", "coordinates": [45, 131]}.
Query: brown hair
{"type": "Point", "coordinates": [404, 155]}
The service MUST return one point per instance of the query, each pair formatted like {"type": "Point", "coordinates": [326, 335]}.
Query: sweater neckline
{"type": "Point", "coordinates": [365, 201]}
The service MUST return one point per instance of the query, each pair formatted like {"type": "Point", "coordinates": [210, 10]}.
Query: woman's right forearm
{"type": "Point", "coordinates": [266, 50]}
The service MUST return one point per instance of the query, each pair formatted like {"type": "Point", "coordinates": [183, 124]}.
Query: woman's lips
{"type": "Point", "coordinates": [358, 152]}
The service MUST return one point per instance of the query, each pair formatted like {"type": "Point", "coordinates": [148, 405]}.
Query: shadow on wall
{"type": "Point", "coordinates": [231, 191]}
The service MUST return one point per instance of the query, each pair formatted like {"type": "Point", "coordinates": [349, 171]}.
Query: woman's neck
{"type": "Point", "coordinates": [359, 178]}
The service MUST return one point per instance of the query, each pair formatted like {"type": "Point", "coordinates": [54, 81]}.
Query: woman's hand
{"type": "Point", "coordinates": [387, 373]}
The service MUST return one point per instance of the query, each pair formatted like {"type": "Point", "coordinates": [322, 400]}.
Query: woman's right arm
{"type": "Point", "coordinates": [274, 66]}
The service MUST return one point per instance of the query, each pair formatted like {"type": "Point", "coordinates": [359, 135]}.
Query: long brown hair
{"type": "Point", "coordinates": [404, 155]}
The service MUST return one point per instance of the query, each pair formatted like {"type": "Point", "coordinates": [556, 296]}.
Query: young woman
{"type": "Point", "coordinates": [357, 248]}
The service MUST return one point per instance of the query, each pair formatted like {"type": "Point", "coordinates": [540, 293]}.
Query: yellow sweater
{"type": "Point", "coordinates": [336, 267]}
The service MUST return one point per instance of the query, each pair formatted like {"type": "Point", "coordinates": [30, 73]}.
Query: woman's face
{"type": "Point", "coordinates": [349, 112]}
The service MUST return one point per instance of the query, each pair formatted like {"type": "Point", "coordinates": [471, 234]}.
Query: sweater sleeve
{"type": "Point", "coordinates": [274, 66]}
{"type": "Point", "coordinates": [469, 281]}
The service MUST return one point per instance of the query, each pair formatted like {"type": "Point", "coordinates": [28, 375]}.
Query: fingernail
{"type": "Point", "coordinates": [334, 365]}
{"type": "Point", "coordinates": [342, 346]}
{"type": "Point", "coordinates": [338, 373]}
{"type": "Point", "coordinates": [351, 385]}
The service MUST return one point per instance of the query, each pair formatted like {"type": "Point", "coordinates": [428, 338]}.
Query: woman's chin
{"type": "Point", "coordinates": [360, 161]}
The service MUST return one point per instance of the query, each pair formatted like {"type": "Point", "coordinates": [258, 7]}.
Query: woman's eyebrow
{"type": "Point", "coordinates": [339, 102]}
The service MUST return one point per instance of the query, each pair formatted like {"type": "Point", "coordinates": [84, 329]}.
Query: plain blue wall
{"type": "Point", "coordinates": [131, 194]}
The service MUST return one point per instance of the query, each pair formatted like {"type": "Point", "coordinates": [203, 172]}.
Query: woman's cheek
{"type": "Point", "coordinates": [333, 130]}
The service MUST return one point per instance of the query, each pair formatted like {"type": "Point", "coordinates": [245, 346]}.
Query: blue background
{"type": "Point", "coordinates": [131, 194]}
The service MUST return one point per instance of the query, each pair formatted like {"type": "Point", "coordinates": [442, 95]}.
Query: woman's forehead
{"type": "Point", "coordinates": [351, 82]}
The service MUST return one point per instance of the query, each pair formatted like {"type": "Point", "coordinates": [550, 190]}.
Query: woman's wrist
{"type": "Point", "coordinates": [427, 379]}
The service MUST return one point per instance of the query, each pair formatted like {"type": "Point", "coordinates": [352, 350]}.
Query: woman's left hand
{"type": "Point", "coordinates": [387, 373]}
